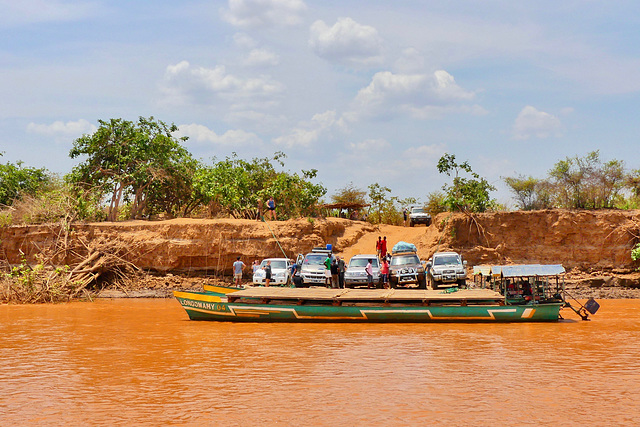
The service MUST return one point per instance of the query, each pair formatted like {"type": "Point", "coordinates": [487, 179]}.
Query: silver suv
{"type": "Point", "coordinates": [355, 274]}
{"type": "Point", "coordinates": [446, 269]}
{"type": "Point", "coordinates": [418, 215]}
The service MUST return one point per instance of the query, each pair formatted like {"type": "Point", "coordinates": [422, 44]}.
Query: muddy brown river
{"type": "Point", "coordinates": [142, 362]}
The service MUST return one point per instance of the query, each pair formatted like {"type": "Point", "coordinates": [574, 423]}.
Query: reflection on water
{"type": "Point", "coordinates": [143, 362]}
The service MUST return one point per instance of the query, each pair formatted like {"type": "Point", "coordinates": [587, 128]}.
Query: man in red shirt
{"type": "Point", "coordinates": [383, 247]}
{"type": "Point", "coordinates": [379, 246]}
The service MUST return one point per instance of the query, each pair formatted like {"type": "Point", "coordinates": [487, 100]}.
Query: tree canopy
{"type": "Point", "coordinates": [464, 194]}
{"type": "Point", "coordinates": [17, 180]}
{"type": "Point", "coordinates": [134, 162]}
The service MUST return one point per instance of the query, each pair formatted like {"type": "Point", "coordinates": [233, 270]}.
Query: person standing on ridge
{"type": "Point", "coordinates": [271, 208]}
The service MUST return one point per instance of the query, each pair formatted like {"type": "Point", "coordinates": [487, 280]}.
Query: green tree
{"type": "Point", "coordinates": [436, 203]}
{"type": "Point", "coordinates": [350, 194]}
{"type": "Point", "coordinates": [17, 180]}
{"type": "Point", "coordinates": [238, 186]}
{"type": "Point", "coordinates": [128, 160]}
{"type": "Point", "coordinates": [531, 193]}
{"type": "Point", "coordinates": [380, 201]}
{"type": "Point", "coordinates": [587, 183]}
{"type": "Point", "coordinates": [465, 194]}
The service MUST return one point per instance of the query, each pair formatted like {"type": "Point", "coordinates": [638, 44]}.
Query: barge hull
{"type": "Point", "coordinates": [216, 307]}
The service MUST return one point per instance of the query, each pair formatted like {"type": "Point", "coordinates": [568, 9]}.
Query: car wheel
{"type": "Point", "coordinates": [428, 223]}
{"type": "Point", "coordinates": [422, 283]}
{"type": "Point", "coordinates": [434, 284]}
{"type": "Point", "coordinates": [462, 283]}
{"type": "Point", "coordinates": [411, 224]}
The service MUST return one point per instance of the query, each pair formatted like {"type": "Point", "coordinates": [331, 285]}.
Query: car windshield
{"type": "Point", "coordinates": [405, 259]}
{"type": "Point", "coordinates": [274, 264]}
{"type": "Point", "coordinates": [362, 262]}
{"type": "Point", "coordinates": [315, 259]}
{"type": "Point", "coordinates": [417, 210]}
{"type": "Point", "coordinates": [446, 260]}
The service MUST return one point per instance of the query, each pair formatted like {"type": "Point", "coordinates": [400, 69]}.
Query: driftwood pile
{"type": "Point", "coordinates": [95, 265]}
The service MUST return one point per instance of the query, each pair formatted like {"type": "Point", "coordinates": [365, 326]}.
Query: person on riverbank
{"type": "Point", "coordinates": [378, 246]}
{"type": "Point", "coordinates": [238, 266]}
{"type": "Point", "coordinates": [271, 208]}
{"type": "Point", "coordinates": [369, 270]}
{"type": "Point", "coordinates": [267, 273]}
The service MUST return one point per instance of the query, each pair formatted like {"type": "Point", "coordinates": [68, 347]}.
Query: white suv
{"type": "Point", "coordinates": [446, 269]}
{"type": "Point", "coordinates": [280, 272]}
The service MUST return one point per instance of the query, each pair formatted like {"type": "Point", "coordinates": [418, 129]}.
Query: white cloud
{"type": "Point", "coordinates": [347, 42]}
{"type": "Point", "coordinates": [62, 131]}
{"type": "Point", "coordinates": [370, 145]}
{"type": "Point", "coordinates": [410, 61]}
{"type": "Point", "coordinates": [421, 157]}
{"type": "Point", "coordinates": [37, 11]}
{"type": "Point", "coordinates": [533, 123]}
{"type": "Point", "coordinates": [257, 121]}
{"type": "Point", "coordinates": [420, 95]}
{"type": "Point", "coordinates": [308, 133]}
{"type": "Point", "coordinates": [261, 58]}
{"type": "Point", "coordinates": [202, 134]}
{"type": "Point", "coordinates": [263, 13]}
{"type": "Point", "coordinates": [185, 84]}
{"type": "Point", "coordinates": [243, 40]}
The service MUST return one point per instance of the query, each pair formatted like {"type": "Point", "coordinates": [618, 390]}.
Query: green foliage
{"type": "Point", "coordinates": [465, 194]}
{"type": "Point", "coordinates": [635, 252]}
{"type": "Point", "coordinates": [17, 181]}
{"type": "Point", "coordinates": [52, 203]}
{"type": "Point", "coordinates": [238, 187]}
{"type": "Point", "coordinates": [350, 194]}
{"type": "Point", "coordinates": [436, 203]}
{"type": "Point", "coordinates": [530, 193]}
{"type": "Point", "coordinates": [142, 162]}
{"type": "Point", "coordinates": [381, 202]}
{"type": "Point", "coordinates": [588, 183]}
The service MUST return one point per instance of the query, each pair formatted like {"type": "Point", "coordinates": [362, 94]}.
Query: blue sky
{"type": "Point", "coordinates": [364, 92]}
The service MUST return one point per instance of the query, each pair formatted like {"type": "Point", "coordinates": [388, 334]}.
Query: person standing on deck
{"type": "Point", "coordinates": [267, 273]}
{"type": "Point", "coordinates": [334, 274]}
{"type": "Point", "coordinates": [369, 270]}
{"type": "Point", "coordinates": [383, 247]}
{"type": "Point", "coordinates": [384, 272]}
{"type": "Point", "coordinates": [327, 271]}
{"type": "Point", "coordinates": [341, 269]}
{"type": "Point", "coordinates": [238, 266]}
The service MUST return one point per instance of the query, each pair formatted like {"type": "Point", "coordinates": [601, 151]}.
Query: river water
{"type": "Point", "coordinates": [142, 362]}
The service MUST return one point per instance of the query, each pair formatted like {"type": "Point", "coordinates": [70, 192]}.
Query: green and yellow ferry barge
{"type": "Point", "coordinates": [283, 304]}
